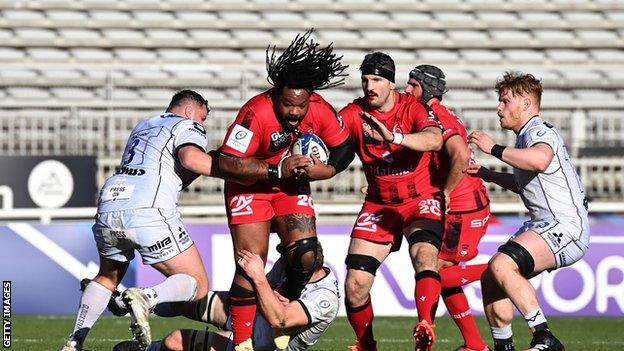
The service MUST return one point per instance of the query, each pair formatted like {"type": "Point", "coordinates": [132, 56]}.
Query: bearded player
{"type": "Point", "coordinates": [280, 200]}
{"type": "Point", "coordinates": [402, 199]}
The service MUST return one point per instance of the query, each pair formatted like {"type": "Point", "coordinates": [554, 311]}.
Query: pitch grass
{"type": "Point", "coordinates": [46, 333]}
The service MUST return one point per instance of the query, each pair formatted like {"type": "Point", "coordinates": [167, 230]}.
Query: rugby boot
{"type": "Point", "coordinates": [72, 345]}
{"type": "Point", "coordinates": [544, 340]}
{"type": "Point", "coordinates": [281, 337]}
{"type": "Point", "coordinates": [424, 336]}
{"type": "Point", "coordinates": [128, 345]}
{"type": "Point", "coordinates": [112, 306]}
{"type": "Point", "coordinates": [138, 305]}
{"type": "Point", "coordinates": [357, 347]}
{"type": "Point", "coordinates": [246, 345]}
{"type": "Point", "coordinates": [464, 348]}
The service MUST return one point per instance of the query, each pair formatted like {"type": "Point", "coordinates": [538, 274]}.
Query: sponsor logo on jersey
{"type": "Point", "coordinates": [387, 156]}
{"type": "Point", "coordinates": [479, 223]}
{"type": "Point", "coordinates": [340, 121]}
{"type": "Point", "coordinates": [183, 237]}
{"type": "Point", "coordinates": [130, 171]}
{"type": "Point", "coordinates": [241, 205]}
{"type": "Point", "coordinates": [160, 245]}
{"type": "Point", "coordinates": [279, 140]}
{"type": "Point", "coordinates": [391, 171]}
{"type": "Point", "coordinates": [240, 138]}
{"type": "Point", "coordinates": [367, 222]}
{"type": "Point", "coordinates": [198, 128]}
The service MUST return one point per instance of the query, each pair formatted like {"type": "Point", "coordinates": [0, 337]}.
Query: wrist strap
{"type": "Point", "coordinates": [273, 172]}
{"type": "Point", "coordinates": [397, 138]}
{"type": "Point", "coordinates": [497, 151]}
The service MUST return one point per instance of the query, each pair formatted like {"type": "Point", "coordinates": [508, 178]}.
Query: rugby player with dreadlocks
{"type": "Point", "coordinates": [402, 198]}
{"type": "Point", "coordinates": [279, 198]}
{"type": "Point", "coordinates": [467, 205]}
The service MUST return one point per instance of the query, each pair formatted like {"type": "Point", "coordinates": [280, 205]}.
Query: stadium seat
{"type": "Point", "coordinates": [91, 54]}
{"type": "Point", "coordinates": [123, 37]}
{"type": "Point", "coordinates": [149, 18]}
{"type": "Point", "coordinates": [48, 54]}
{"type": "Point", "coordinates": [567, 55]}
{"type": "Point", "coordinates": [526, 56]}
{"type": "Point", "coordinates": [110, 17]}
{"type": "Point", "coordinates": [196, 18]}
{"type": "Point", "coordinates": [479, 56]}
{"type": "Point", "coordinates": [22, 75]}
{"type": "Point", "coordinates": [72, 94]}
{"type": "Point", "coordinates": [23, 16]}
{"type": "Point", "coordinates": [135, 55]}
{"type": "Point", "coordinates": [67, 16]}
{"type": "Point", "coordinates": [178, 55]}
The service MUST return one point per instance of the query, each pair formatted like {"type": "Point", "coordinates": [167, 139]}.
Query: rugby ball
{"type": "Point", "coordinates": [310, 144]}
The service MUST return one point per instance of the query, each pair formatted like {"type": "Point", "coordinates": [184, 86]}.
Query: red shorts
{"type": "Point", "coordinates": [388, 223]}
{"type": "Point", "coordinates": [462, 234]}
{"type": "Point", "coordinates": [260, 207]}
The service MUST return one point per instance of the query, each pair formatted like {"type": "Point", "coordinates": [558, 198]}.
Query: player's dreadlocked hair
{"type": "Point", "coordinates": [304, 65]}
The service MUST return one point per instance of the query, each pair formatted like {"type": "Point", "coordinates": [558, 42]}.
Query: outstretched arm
{"type": "Point", "coordinates": [536, 158]}
{"type": "Point", "coordinates": [505, 180]}
{"type": "Point", "coordinates": [249, 169]}
{"type": "Point", "coordinates": [429, 139]}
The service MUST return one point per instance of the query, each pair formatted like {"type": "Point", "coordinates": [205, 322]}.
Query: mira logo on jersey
{"type": "Point", "coordinates": [161, 245]}
{"type": "Point", "coordinates": [130, 171]}
{"type": "Point", "coordinates": [241, 205]}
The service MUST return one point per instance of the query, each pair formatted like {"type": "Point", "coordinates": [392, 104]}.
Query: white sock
{"type": "Point", "coordinates": [178, 287]}
{"type": "Point", "coordinates": [535, 317]}
{"type": "Point", "coordinates": [92, 303]}
{"type": "Point", "coordinates": [502, 333]}
{"type": "Point", "coordinates": [154, 346]}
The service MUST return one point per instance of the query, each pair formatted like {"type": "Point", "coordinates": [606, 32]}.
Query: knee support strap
{"type": "Point", "coordinates": [302, 256]}
{"type": "Point", "coordinates": [362, 263]}
{"type": "Point", "coordinates": [425, 236]}
{"type": "Point", "coordinates": [520, 255]}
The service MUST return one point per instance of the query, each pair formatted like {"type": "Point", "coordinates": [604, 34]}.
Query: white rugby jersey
{"type": "Point", "coordinates": [320, 300]}
{"type": "Point", "coordinates": [558, 193]}
{"type": "Point", "coordinates": [150, 175]}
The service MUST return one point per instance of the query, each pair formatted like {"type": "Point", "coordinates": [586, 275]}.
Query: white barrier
{"type": "Point", "coordinates": [46, 216]}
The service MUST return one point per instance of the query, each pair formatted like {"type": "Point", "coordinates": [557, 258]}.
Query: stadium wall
{"type": "Point", "coordinates": [46, 262]}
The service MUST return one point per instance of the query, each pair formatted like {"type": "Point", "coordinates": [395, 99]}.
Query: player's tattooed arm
{"type": "Point", "coordinates": [247, 170]}
{"type": "Point", "coordinates": [241, 170]}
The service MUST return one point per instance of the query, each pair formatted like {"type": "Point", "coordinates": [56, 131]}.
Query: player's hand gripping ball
{"type": "Point", "coordinates": [309, 144]}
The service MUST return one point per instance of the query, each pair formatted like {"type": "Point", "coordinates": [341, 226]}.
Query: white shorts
{"type": "Point", "coordinates": [158, 234]}
{"type": "Point", "coordinates": [568, 241]}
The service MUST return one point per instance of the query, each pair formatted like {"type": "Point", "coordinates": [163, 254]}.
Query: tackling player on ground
{"type": "Point", "coordinates": [467, 205]}
{"type": "Point", "coordinates": [280, 200]}
{"type": "Point", "coordinates": [137, 210]}
{"type": "Point", "coordinates": [402, 199]}
{"type": "Point", "coordinates": [557, 234]}
{"type": "Point", "coordinates": [308, 317]}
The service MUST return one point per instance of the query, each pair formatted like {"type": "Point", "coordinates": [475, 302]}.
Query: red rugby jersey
{"type": "Point", "coordinates": [394, 173]}
{"type": "Point", "coordinates": [453, 125]}
{"type": "Point", "coordinates": [256, 131]}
